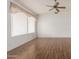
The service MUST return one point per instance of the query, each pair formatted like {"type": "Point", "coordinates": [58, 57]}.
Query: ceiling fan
{"type": "Point", "coordinates": [56, 7]}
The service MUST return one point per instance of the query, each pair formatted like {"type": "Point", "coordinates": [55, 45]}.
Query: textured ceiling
{"type": "Point", "coordinates": [39, 6]}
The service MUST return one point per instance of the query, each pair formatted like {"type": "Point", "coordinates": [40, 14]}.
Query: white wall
{"type": "Point", "coordinates": [16, 41]}
{"type": "Point", "coordinates": [13, 42]}
{"type": "Point", "coordinates": [51, 25]}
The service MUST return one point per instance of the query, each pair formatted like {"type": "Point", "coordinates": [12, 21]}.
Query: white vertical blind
{"type": "Point", "coordinates": [18, 24]}
{"type": "Point", "coordinates": [22, 22]}
{"type": "Point", "coordinates": [31, 24]}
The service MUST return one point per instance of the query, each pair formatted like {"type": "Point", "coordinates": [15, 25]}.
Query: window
{"type": "Point", "coordinates": [31, 24]}
{"type": "Point", "coordinates": [18, 24]}
{"type": "Point", "coordinates": [21, 22]}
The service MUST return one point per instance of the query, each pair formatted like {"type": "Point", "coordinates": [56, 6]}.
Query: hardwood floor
{"type": "Point", "coordinates": [43, 48]}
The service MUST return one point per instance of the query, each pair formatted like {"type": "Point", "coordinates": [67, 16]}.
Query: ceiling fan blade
{"type": "Point", "coordinates": [51, 9]}
{"type": "Point", "coordinates": [49, 5]}
{"type": "Point", "coordinates": [57, 3]}
{"type": "Point", "coordinates": [61, 7]}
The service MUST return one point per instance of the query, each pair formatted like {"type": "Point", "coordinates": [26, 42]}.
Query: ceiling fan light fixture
{"type": "Point", "coordinates": [56, 7]}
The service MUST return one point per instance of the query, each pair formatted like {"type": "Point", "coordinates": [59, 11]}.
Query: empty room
{"type": "Point", "coordinates": [39, 29]}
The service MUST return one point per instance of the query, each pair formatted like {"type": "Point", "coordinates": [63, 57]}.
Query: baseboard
{"type": "Point", "coordinates": [54, 37]}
